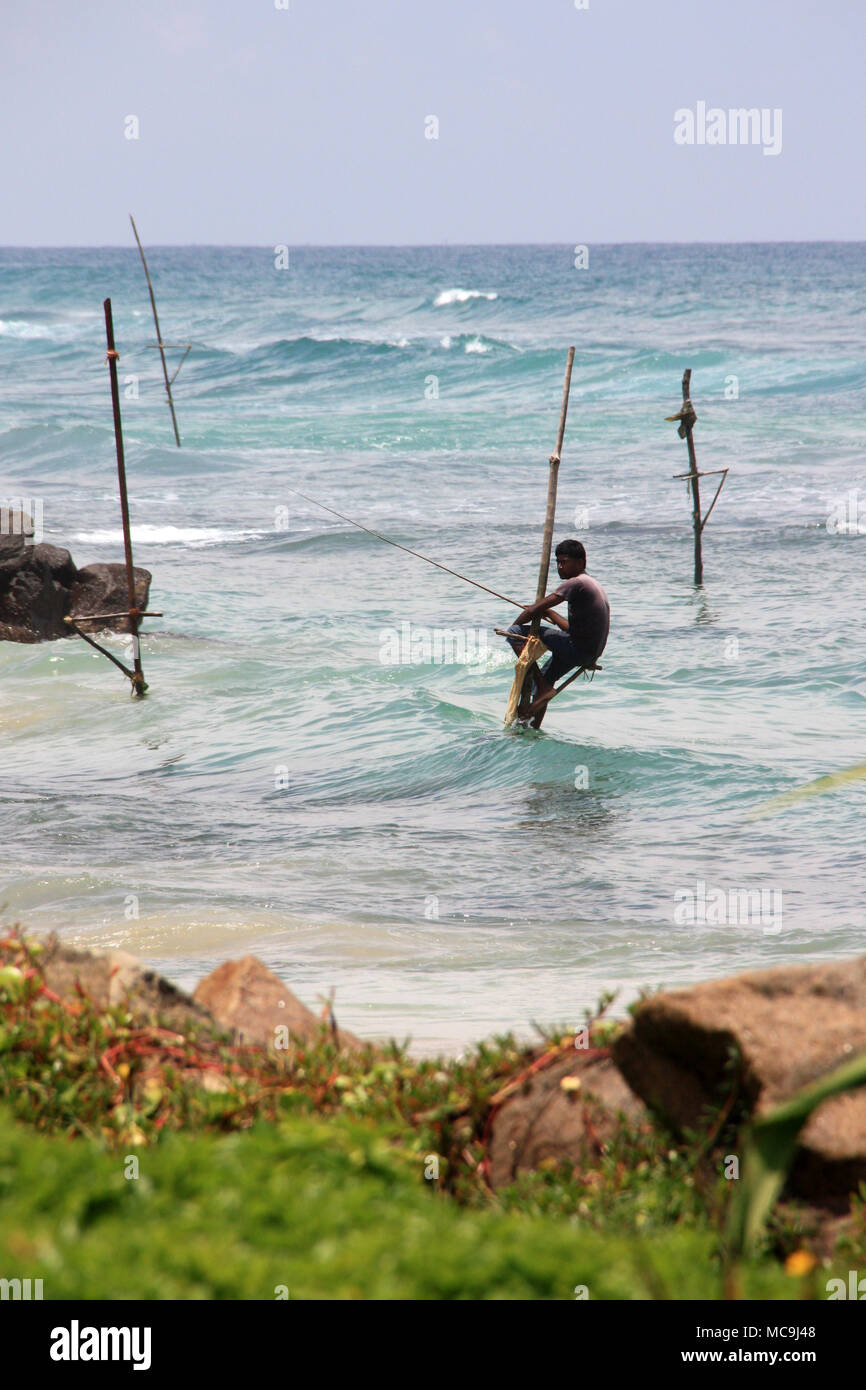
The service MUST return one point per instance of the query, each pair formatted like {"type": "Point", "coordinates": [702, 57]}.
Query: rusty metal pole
{"type": "Point", "coordinates": [139, 685]}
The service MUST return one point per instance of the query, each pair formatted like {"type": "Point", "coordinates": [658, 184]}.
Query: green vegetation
{"type": "Point", "coordinates": [772, 1143]}
{"type": "Point", "coordinates": [327, 1209]}
{"type": "Point", "coordinates": [313, 1173]}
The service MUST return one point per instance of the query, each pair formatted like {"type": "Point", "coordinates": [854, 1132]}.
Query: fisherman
{"type": "Point", "coordinates": [578, 642]}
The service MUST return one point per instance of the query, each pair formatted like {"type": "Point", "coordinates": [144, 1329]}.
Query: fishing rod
{"type": "Point", "coordinates": [408, 549]}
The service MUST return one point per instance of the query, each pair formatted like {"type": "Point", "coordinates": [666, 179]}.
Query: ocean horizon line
{"type": "Point", "coordinates": [411, 245]}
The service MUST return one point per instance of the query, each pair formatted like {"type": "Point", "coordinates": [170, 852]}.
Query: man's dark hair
{"type": "Point", "coordinates": [574, 549]}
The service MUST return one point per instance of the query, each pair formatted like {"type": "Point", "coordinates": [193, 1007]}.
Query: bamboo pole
{"type": "Point", "coordinates": [553, 475]}
{"type": "Point", "coordinates": [525, 670]}
{"type": "Point", "coordinates": [159, 341]}
{"type": "Point", "coordinates": [139, 685]}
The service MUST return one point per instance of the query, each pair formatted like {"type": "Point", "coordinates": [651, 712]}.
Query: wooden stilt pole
{"type": "Point", "coordinates": [524, 671]}
{"type": "Point", "coordinates": [687, 417]}
{"type": "Point", "coordinates": [159, 341]}
{"type": "Point", "coordinates": [139, 685]}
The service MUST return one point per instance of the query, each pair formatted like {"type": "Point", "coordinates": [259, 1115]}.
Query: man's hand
{"type": "Point", "coordinates": [537, 610]}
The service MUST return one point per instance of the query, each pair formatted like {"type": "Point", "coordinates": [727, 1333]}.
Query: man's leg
{"type": "Point", "coordinates": [563, 655]}
{"type": "Point", "coordinates": [519, 630]}
{"type": "Point", "coordinates": [563, 658]}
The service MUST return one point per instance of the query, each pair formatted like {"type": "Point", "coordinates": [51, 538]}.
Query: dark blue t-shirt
{"type": "Point", "coordinates": [588, 614]}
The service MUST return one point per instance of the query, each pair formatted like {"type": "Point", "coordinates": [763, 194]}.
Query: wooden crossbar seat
{"type": "Point", "coordinates": [587, 672]}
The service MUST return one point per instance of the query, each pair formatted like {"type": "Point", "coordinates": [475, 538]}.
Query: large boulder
{"type": "Point", "coordinates": [112, 978]}
{"type": "Point", "coordinates": [54, 561]}
{"type": "Point", "coordinates": [568, 1111]}
{"type": "Point", "coordinates": [102, 589]}
{"type": "Point", "coordinates": [763, 1035]}
{"type": "Point", "coordinates": [34, 590]}
{"type": "Point", "coordinates": [16, 539]}
{"type": "Point", "coordinates": [40, 587]}
{"type": "Point", "coordinates": [246, 997]}
{"type": "Point", "coordinates": [242, 997]}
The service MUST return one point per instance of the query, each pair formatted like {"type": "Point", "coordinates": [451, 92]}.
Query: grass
{"type": "Point", "coordinates": [324, 1210]}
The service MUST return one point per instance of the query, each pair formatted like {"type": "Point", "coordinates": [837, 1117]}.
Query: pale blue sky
{"type": "Point", "coordinates": [264, 126]}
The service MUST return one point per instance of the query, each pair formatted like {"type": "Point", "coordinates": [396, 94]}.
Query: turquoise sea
{"type": "Point", "coordinates": [369, 827]}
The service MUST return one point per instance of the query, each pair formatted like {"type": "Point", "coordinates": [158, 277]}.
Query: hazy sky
{"type": "Point", "coordinates": [260, 125]}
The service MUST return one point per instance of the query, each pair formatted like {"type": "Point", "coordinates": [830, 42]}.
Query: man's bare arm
{"type": "Point", "coordinates": [536, 610]}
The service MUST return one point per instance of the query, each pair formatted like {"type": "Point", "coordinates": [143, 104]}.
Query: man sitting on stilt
{"type": "Point", "coordinates": [578, 642]}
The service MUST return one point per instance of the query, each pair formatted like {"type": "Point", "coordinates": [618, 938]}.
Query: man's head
{"type": "Point", "coordinates": [570, 559]}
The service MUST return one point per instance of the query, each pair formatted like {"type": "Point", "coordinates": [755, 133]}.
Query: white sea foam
{"type": "Point", "coordinates": [20, 328]}
{"type": "Point", "coordinates": [164, 535]}
{"type": "Point", "coordinates": [476, 345]}
{"type": "Point", "coordinates": [446, 341]}
{"type": "Point", "coordinates": [461, 296]}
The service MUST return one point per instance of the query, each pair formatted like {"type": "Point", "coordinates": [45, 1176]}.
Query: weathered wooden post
{"type": "Point", "coordinates": [687, 417]}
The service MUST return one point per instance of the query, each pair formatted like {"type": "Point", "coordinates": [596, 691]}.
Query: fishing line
{"type": "Point", "coordinates": [408, 550]}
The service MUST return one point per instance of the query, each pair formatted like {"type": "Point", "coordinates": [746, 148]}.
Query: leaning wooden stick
{"type": "Point", "coordinates": [90, 642]}
{"type": "Point", "coordinates": [105, 617]}
{"type": "Point", "coordinates": [159, 342]}
{"type": "Point", "coordinates": [139, 685]}
{"type": "Point", "coordinates": [518, 701]}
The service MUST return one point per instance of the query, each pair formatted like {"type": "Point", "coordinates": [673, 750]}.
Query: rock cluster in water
{"type": "Point", "coordinates": [40, 585]}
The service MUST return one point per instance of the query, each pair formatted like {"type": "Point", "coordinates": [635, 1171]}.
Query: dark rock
{"type": "Point", "coordinates": [102, 589]}
{"type": "Point", "coordinates": [34, 603]}
{"type": "Point", "coordinates": [567, 1111]}
{"type": "Point", "coordinates": [251, 1000]}
{"type": "Point", "coordinates": [54, 561]}
{"type": "Point", "coordinates": [16, 541]}
{"type": "Point", "coordinates": [768, 1033]}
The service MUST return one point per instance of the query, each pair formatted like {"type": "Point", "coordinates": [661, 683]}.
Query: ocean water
{"type": "Point", "coordinates": [367, 826]}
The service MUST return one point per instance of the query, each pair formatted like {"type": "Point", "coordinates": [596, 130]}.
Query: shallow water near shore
{"type": "Point", "coordinates": [368, 827]}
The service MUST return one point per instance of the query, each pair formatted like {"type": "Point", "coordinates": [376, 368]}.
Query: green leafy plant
{"type": "Point", "coordinates": [770, 1151]}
